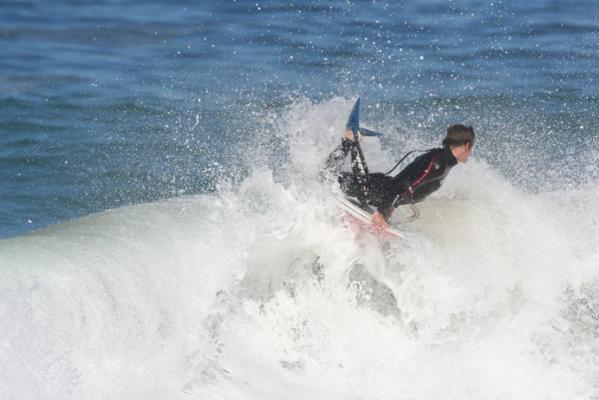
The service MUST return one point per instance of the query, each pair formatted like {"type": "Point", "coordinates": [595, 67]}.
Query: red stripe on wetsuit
{"type": "Point", "coordinates": [420, 180]}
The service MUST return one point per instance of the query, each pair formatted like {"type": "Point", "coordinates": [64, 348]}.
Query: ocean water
{"type": "Point", "coordinates": [165, 234]}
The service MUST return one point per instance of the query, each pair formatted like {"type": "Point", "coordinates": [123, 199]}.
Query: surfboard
{"type": "Point", "coordinates": [359, 217]}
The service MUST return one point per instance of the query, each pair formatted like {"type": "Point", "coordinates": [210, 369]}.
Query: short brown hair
{"type": "Point", "coordinates": [458, 135]}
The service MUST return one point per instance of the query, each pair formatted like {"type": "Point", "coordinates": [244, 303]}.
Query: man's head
{"type": "Point", "coordinates": [460, 140]}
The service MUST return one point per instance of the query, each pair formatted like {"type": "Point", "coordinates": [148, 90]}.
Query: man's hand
{"type": "Point", "coordinates": [379, 221]}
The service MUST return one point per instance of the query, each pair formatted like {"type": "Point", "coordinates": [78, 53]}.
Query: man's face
{"type": "Point", "coordinates": [462, 152]}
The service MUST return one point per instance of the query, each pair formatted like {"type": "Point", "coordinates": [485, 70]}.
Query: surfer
{"type": "Point", "coordinates": [415, 182]}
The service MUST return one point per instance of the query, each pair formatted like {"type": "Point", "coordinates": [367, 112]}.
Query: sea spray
{"type": "Point", "coordinates": [252, 292]}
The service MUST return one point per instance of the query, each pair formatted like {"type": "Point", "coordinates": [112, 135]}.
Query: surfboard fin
{"type": "Point", "coordinates": [368, 132]}
{"type": "Point", "coordinates": [353, 123]}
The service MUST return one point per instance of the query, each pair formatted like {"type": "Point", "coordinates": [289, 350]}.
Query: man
{"type": "Point", "coordinates": [415, 182]}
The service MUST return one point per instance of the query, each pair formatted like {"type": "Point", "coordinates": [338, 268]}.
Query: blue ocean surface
{"type": "Point", "coordinates": [108, 103]}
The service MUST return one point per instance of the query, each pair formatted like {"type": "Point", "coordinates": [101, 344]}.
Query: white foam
{"type": "Point", "coordinates": [252, 293]}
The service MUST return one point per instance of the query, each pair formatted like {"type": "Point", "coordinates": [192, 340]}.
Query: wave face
{"type": "Point", "coordinates": [260, 291]}
{"type": "Point", "coordinates": [109, 104]}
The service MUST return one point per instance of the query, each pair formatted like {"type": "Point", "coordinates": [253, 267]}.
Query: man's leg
{"type": "Point", "coordinates": [353, 184]}
{"type": "Point", "coordinates": [336, 159]}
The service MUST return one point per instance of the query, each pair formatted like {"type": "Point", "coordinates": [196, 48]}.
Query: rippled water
{"type": "Point", "coordinates": [110, 103]}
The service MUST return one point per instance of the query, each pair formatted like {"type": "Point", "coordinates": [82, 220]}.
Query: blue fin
{"type": "Point", "coordinates": [368, 132]}
{"type": "Point", "coordinates": [353, 123]}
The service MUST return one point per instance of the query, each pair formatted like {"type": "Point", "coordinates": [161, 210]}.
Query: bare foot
{"type": "Point", "coordinates": [349, 134]}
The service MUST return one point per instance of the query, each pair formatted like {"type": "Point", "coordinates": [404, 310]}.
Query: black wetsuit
{"type": "Point", "coordinates": [417, 180]}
